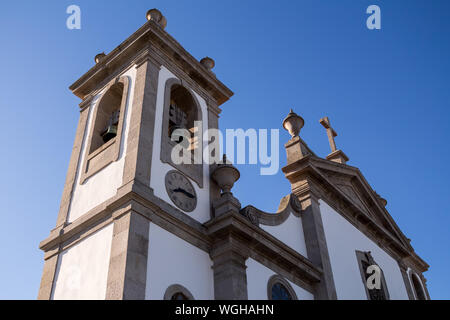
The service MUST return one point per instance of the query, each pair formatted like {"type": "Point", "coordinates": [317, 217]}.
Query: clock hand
{"type": "Point", "coordinates": [187, 194]}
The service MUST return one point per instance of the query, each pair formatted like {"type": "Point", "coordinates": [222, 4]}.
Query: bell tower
{"type": "Point", "coordinates": [123, 182]}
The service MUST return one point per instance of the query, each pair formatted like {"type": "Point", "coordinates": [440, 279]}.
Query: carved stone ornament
{"type": "Point", "coordinates": [288, 204]}
{"type": "Point", "coordinates": [293, 123]}
{"type": "Point", "coordinates": [225, 175]}
{"type": "Point", "coordinates": [251, 214]}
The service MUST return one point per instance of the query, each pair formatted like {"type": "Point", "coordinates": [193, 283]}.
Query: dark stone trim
{"type": "Point", "coordinates": [175, 288]}
{"type": "Point", "coordinates": [279, 279]}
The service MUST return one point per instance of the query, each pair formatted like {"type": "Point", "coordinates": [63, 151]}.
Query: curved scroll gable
{"type": "Point", "coordinates": [287, 205]}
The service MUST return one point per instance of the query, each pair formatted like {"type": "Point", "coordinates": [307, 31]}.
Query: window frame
{"type": "Point", "coordinates": [175, 288]}
{"type": "Point", "coordinates": [413, 275]}
{"type": "Point", "coordinates": [279, 279]}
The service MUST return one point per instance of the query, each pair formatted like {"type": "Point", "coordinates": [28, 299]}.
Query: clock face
{"type": "Point", "coordinates": [181, 191]}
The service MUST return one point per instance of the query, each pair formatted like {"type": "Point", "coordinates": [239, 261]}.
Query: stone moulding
{"type": "Point", "coordinates": [140, 199]}
{"type": "Point", "coordinates": [151, 34]}
{"type": "Point", "coordinates": [288, 204]}
{"type": "Point", "coordinates": [250, 240]}
{"type": "Point", "coordinates": [307, 176]}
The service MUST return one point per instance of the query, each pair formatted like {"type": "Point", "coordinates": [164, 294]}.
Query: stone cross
{"type": "Point", "coordinates": [330, 132]}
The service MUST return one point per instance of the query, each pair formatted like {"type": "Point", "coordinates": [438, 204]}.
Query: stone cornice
{"type": "Point", "coordinates": [306, 178]}
{"type": "Point", "coordinates": [150, 35]}
{"type": "Point", "coordinates": [249, 238]}
{"type": "Point", "coordinates": [134, 197]}
{"type": "Point", "coordinates": [140, 199]}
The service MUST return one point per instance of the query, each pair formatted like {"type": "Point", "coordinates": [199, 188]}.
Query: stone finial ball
{"type": "Point", "coordinates": [208, 63]}
{"type": "Point", "coordinates": [99, 57]}
{"type": "Point", "coordinates": [156, 15]}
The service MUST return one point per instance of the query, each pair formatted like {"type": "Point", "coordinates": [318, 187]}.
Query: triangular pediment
{"type": "Point", "coordinates": [349, 183]}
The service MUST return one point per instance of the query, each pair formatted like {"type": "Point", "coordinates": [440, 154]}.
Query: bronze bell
{"type": "Point", "coordinates": [110, 132]}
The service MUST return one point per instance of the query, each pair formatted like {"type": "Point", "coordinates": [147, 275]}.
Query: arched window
{"type": "Point", "coordinates": [103, 143]}
{"type": "Point", "coordinates": [180, 111]}
{"type": "Point", "coordinates": [177, 292]}
{"type": "Point", "coordinates": [279, 289]}
{"type": "Point", "coordinates": [179, 296]}
{"type": "Point", "coordinates": [107, 117]}
{"type": "Point", "coordinates": [417, 285]}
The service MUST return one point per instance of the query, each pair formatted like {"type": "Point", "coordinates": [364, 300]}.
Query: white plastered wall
{"type": "Point", "coordinates": [82, 270]}
{"type": "Point", "coordinates": [258, 277]}
{"type": "Point", "coordinates": [102, 185]}
{"type": "Point", "coordinates": [159, 169]}
{"type": "Point", "coordinates": [290, 232]}
{"type": "Point", "coordinates": [343, 239]}
{"type": "Point", "coordinates": [172, 260]}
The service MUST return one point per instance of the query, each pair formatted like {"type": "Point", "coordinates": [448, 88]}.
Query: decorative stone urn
{"type": "Point", "coordinates": [225, 175]}
{"type": "Point", "coordinates": [156, 15]}
{"type": "Point", "coordinates": [293, 123]}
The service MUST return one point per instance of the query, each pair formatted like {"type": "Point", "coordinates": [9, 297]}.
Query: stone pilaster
{"type": "Point", "coordinates": [140, 135]}
{"type": "Point", "coordinates": [50, 262]}
{"type": "Point", "coordinates": [213, 123]}
{"type": "Point", "coordinates": [295, 149]}
{"type": "Point", "coordinates": [73, 164]}
{"type": "Point", "coordinates": [425, 287]}
{"type": "Point", "coordinates": [404, 272]}
{"type": "Point", "coordinates": [228, 254]}
{"type": "Point", "coordinates": [230, 275]}
{"type": "Point", "coordinates": [48, 277]}
{"type": "Point", "coordinates": [127, 274]}
{"type": "Point", "coordinates": [226, 203]}
{"type": "Point", "coordinates": [316, 247]}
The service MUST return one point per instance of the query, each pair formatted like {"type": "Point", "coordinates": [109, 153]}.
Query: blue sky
{"type": "Point", "coordinates": [386, 92]}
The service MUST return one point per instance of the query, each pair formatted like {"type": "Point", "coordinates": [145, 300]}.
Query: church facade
{"type": "Point", "coordinates": [135, 224]}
